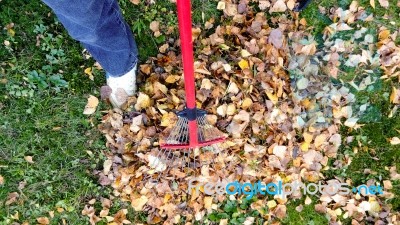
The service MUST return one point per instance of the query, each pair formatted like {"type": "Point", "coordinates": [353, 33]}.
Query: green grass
{"type": "Point", "coordinates": [49, 124]}
{"type": "Point", "coordinates": [61, 172]}
{"type": "Point", "coordinates": [308, 215]}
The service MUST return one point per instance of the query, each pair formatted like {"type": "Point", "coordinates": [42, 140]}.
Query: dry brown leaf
{"type": "Point", "coordinates": [233, 88]}
{"type": "Point", "coordinates": [279, 6]}
{"type": "Point", "coordinates": [164, 48]}
{"type": "Point", "coordinates": [136, 124]}
{"type": "Point", "coordinates": [138, 203]}
{"type": "Point", "coordinates": [106, 203]}
{"type": "Point", "coordinates": [107, 166]}
{"type": "Point", "coordinates": [280, 211]}
{"type": "Point", "coordinates": [384, 3]}
{"type": "Point", "coordinates": [92, 201]}
{"type": "Point", "coordinates": [91, 105]}
{"type": "Point", "coordinates": [43, 220]}
{"type": "Point", "coordinates": [104, 212]}
{"type": "Point", "coordinates": [1, 180]}
{"type": "Point", "coordinates": [29, 159]}
{"type": "Point", "coordinates": [155, 26]}
{"type": "Point", "coordinates": [395, 141]}
{"type": "Point", "coordinates": [291, 4]}
{"type": "Point", "coordinates": [172, 79]}
{"type": "Point", "coordinates": [239, 123]}
{"type": "Point", "coordinates": [136, 2]}
{"type": "Point", "coordinates": [221, 5]}
{"type": "Point", "coordinates": [308, 200]}
{"type": "Point", "coordinates": [11, 198]}
{"type": "Point", "coordinates": [206, 84]}
{"type": "Point", "coordinates": [276, 38]}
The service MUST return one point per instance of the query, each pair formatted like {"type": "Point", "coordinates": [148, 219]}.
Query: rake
{"type": "Point", "coordinates": [192, 133]}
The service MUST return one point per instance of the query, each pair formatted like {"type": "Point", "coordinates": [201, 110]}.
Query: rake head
{"type": "Point", "coordinates": [179, 150]}
{"type": "Point", "coordinates": [179, 137]}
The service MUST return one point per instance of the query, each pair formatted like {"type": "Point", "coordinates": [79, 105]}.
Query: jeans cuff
{"type": "Point", "coordinates": [132, 65]}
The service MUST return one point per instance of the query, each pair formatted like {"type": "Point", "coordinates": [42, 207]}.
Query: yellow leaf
{"type": "Point", "coordinates": [243, 64]}
{"type": "Point", "coordinates": [272, 97]}
{"type": "Point", "coordinates": [384, 34]}
{"type": "Point", "coordinates": [1, 180]}
{"type": "Point", "coordinates": [208, 202]}
{"type": "Point", "coordinates": [91, 105]}
{"type": "Point", "coordinates": [231, 109]}
{"type": "Point", "coordinates": [247, 102]}
{"type": "Point", "coordinates": [271, 204]}
{"type": "Point", "coordinates": [167, 197]}
{"type": "Point", "coordinates": [172, 79]}
{"type": "Point", "coordinates": [395, 96]}
{"type": "Point", "coordinates": [11, 32]}
{"type": "Point", "coordinates": [308, 137]}
{"type": "Point", "coordinates": [175, 99]}
{"type": "Point", "coordinates": [142, 102]}
{"type": "Point", "coordinates": [88, 71]}
{"type": "Point", "coordinates": [304, 146]}
{"type": "Point", "coordinates": [167, 119]}
{"type": "Point", "coordinates": [372, 3]}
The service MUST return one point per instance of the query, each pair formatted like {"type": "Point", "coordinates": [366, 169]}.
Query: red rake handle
{"type": "Point", "coordinates": [185, 32]}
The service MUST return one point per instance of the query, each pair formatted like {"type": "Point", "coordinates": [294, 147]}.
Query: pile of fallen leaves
{"type": "Point", "coordinates": [265, 84]}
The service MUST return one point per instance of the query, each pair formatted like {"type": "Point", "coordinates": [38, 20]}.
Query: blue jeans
{"type": "Point", "coordinates": [99, 26]}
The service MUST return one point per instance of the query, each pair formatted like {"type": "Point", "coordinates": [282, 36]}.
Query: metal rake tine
{"type": "Point", "coordinates": [215, 146]}
{"type": "Point", "coordinates": [174, 166]}
{"type": "Point", "coordinates": [185, 159]}
{"type": "Point", "coordinates": [158, 158]}
{"type": "Point", "coordinates": [175, 130]}
{"type": "Point", "coordinates": [185, 131]}
{"type": "Point", "coordinates": [194, 159]}
{"type": "Point", "coordinates": [168, 167]}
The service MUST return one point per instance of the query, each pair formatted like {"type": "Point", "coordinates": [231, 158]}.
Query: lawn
{"type": "Point", "coordinates": [51, 153]}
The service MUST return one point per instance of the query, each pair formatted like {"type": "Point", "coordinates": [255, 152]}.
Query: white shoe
{"type": "Point", "coordinates": [122, 87]}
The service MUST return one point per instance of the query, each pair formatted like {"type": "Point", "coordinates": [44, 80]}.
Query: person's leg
{"type": "Point", "coordinates": [101, 29]}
